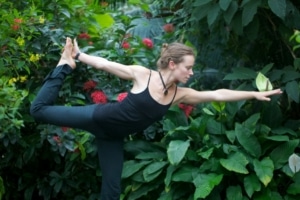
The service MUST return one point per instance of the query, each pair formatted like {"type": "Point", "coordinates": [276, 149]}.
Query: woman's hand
{"type": "Point", "coordinates": [264, 96]}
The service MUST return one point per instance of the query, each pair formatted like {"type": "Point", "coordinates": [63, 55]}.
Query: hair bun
{"type": "Point", "coordinates": [164, 47]}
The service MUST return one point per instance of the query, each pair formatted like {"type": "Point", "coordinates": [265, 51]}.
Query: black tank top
{"type": "Point", "coordinates": [135, 113]}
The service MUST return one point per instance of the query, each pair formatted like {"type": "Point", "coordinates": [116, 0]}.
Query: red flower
{"type": "Point", "coordinates": [99, 97]}
{"type": "Point", "coordinates": [125, 45]}
{"type": "Point", "coordinates": [65, 129]}
{"type": "Point", "coordinates": [122, 96]}
{"type": "Point", "coordinates": [148, 43]}
{"type": "Point", "coordinates": [57, 139]}
{"type": "Point", "coordinates": [15, 27]}
{"type": "Point", "coordinates": [84, 36]}
{"type": "Point", "coordinates": [18, 21]}
{"type": "Point", "coordinates": [89, 85]}
{"type": "Point", "coordinates": [187, 109]}
{"type": "Point", "coordinates": [169, 28]}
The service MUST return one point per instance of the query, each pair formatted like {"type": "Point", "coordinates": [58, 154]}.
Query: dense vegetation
{"type": "Point", "coordinates": [239, 150]}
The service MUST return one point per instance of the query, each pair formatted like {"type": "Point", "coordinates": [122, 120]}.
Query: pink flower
{"type": "Point", "coordinates": [148, 43]}
{"type": "Point", "coordinates": [125, 45]}
{"type": "Point", "coordinates": [99, 97]}
{"type": "Point", "coordinates": [187, 109]}
{"type": "Point", "coordinates": [84, 36]}
{"type": "Point", "coordinates": [122, 96]}
{"type": "Point", "coordinates": [168, 28]}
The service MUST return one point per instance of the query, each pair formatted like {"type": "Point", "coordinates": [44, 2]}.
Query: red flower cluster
{"type": "Point", "coordinates": [99, 97]}
{"type": "Point", "coordinates": [89, 85]}
{"type": "Point", "coordinates": [148, 43]}
{"type": "Point", "coordinates": [16, 25]}
{"type": "Point", "coordinates": [64, 129]}
{"type": "Point", "coordinates": [57, 139]}
{"type": "Point", "coordinates": [125, 45]}
{"type": "Point", "coordinates": [122, 96]}
{"type": "Point", "coordinates": [187, 109]}
{"type": "Point", "coordinates": [168, 28]}
{"type": "Point", "coordinates": [84, 36]}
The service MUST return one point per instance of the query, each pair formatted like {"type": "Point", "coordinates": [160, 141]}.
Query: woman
{"type": "Point", "coordinates": [153, 92]}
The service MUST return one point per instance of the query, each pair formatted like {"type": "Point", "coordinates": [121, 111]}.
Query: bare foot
{"type": "Point", "coordinates": [75, 48]}
{"type": "Point", "coordinates": [66, 57]}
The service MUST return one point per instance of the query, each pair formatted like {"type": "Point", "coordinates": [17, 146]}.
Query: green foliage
{"type": "Point", "coordinates": [237, 150]}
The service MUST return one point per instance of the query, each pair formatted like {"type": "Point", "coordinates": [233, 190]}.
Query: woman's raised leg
{"type": "Point", "coordinates": [42, 108]}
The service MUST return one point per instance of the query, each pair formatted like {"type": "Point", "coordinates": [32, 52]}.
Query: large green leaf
{"type": "Point", "coordinates": [213, 14]}
{"type": "Point", "coordinates": [264, 170]}
{"type": "Point", "coordinates": [205, 183]}
{"type": "Point", "coordinates": [176, 150]}
{"type": "Point", "coordinates": [248, 141]}
{"type": "Point", "coordinates": [281, 153]}
{"type": "Point", "coordinates": [105, 20]}
{"type": "Point", "coordinates": [235, 162]}
{"type": "Point", "coordinates": [293, 90]}
{"type": "Point", "coordinates": [278, 7]}
{"type": "Point", "coordinates": [224, 4]}
{"type": "Point", "coordinates": [294, 189]}
{"type": "Point", "coordinates": [249, 10]}
{"type": "Point", "coordinates": [153, 170]}
{"type": "Point", "coordinates": [241, 73]}
{"type": "Point", "coordinates": [234, 192]}
{"type": "Point", "coordinates": [230, 12]}
{"type": "Point", "coordinates": [251, 184]}
{"type": "Point", "coordinates": [130, 167]}
{"type": "Point", "coordinates": [185, 174]}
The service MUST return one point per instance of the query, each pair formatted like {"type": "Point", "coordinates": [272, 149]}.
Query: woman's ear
{"type": "Point", "coordinates": [172, 65]}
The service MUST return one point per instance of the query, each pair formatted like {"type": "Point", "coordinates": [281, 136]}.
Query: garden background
{"type": "Point", "coordinates": [239, 150]}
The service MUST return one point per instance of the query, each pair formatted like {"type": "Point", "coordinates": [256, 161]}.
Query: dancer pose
{"type": "Point", "coordinates": [151, 95]}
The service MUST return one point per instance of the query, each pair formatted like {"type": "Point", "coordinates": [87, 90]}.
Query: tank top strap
{"type": "Point", "coordinates": [174, 94]}
{"type": "Point", "coordinates": [149, 78]}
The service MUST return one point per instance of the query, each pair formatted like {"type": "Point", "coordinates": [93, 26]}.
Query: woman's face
{"type": "Point", "coordinates": [184, 70]}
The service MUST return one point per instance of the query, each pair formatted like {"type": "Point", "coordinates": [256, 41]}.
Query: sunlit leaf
{"type": "Point", "coordinates": [205, 183]}
{"type": "Point", "coordinates": [177, 150]}
{"type": "Point", "coordinates": [235, 162]}
{"type": "Point", "coordinates": [263, 83]}
{"type": "Point", "coordinates": [264, 170]}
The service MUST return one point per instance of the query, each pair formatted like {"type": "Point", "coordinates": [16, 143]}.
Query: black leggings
{"type": "Point", "coordinates": [110, 151]}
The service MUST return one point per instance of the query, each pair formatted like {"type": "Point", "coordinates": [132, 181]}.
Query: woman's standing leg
{"type": "Point", "coordinates": [111, 157]}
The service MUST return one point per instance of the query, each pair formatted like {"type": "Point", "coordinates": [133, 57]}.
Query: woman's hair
{"type": "Point", "coordinates": [175, 52]}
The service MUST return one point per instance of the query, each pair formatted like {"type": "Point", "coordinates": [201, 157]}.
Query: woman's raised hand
{"type": "Point", "coordinates": [264, 96]}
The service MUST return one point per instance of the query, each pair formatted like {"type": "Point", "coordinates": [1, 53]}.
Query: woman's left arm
{"type": "Point", "coordinates": [191, 96]}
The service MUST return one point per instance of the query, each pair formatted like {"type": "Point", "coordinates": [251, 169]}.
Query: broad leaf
{"type": "Point", "coordinates": [264, 170]}
{"type": "Point", "coordinates": [130, 167]}
{"type": "Point", "coordinates": [241, 73]}
{"type": "Point", "coordinates": [281, 153]}
{"type": "Point", "coordinates": [251, 184]}
{"type": "Point", "coordinates": [230, 12]}
{"type": "Point", "coordinates": [177, 150]}
{"type": "Point", "coordinates": [185, 174]}
{"type": "Point", "coordinates": [248, 141]}
{"type": "Point", "coordinates": [153, 170]}
{"type": "Point", "coordinates": [249, 10]}
{"type": "Point", "coordinates": [235, 162]}
{"type": "Point", "coordinates": [293, 91]}
{"type": "Point", "coordinates": [294, 189]}
{"type": "Point", "coordinates": [224, 4]}
{"type": "Point", "coordinates": [278, 7]}
{"type": "Point", "coordinates": [213, 14]}
{"type": "Point", "coordinates": [205, 183]}
{"type": "Point", "coordinates": [234, 192]}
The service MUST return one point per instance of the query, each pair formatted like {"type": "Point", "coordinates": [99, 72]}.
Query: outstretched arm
{"type": "Point", "coordinates": [128, 72]}
{"type": "Point", "coordinates": [192, 96]}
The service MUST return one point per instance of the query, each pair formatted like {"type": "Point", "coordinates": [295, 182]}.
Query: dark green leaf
{"type": "Point", "coordinates": [176, 150]}
{"type": "Point", "coordinates": [205, 183]}
{"type": "Point", "coordinates": [230, 12]}
{"type": "Point", "coordinates": [251, 184]}
{"type": "Point", "coordinates": [249, 10]}
{"type": "Point", "coordinates": [224, 4]}
{"type": "Point", "coordinates": [235, 162]}
{"type": "Point", "coordinates": [264, 170]}
{"type": "Point", "coordinates": [241, 73]}
{"type": "Point", "coordinates": [293, 90]}
{"type": "Point", "coordinates": [278, 7]}
{"type": "Point", "coordinates": [234, 192]}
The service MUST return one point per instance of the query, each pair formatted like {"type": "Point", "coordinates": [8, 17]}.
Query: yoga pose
{"type": "Point", "coordinates": [151, 95]}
